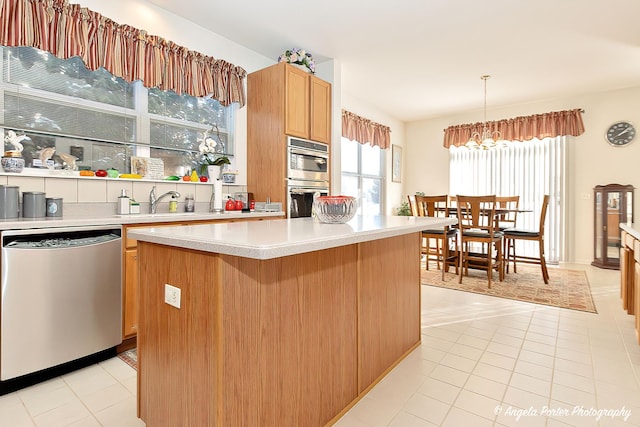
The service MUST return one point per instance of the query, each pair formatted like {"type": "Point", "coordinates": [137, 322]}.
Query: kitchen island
{"type": "Point", "coordinates": [280, 322]}
{"type": "Point", "coordinates": [630, 271]}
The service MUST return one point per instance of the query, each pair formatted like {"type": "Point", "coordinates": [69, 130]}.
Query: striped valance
{"type": "Point", "coordinates": [365, 131]}
{"type": "Point", "coordinates": [540, 126]}
{"type": "Point", "coordinates": [67, 30]}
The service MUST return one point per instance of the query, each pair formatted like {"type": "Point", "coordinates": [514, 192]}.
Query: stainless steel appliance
{"type": "Point", "coordinates": [308, 160]}
{"type": "Point", "coordinates": [301, 195]}
{"type": "Point", "coordinates": [61, 296]}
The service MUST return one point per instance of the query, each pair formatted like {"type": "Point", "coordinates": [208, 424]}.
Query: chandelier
{"type": "Point", "coordinates": [487, 139]}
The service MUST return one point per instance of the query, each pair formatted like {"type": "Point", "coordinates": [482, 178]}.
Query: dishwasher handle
{"type": "Point", "coordinates": [60, 240]}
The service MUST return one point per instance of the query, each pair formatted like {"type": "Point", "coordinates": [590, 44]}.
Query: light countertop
{"type": "Point", "coordinates": [633, 229]}
{"type": "Point", "coordinates": [78, 220]}
{"type": "Point", "coordinates": [280, 237]}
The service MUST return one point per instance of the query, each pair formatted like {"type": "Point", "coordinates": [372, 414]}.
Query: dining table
{"type": "Point", "coordinates": [498, 213]}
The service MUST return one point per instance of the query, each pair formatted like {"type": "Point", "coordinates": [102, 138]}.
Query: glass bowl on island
{"type": "Point", "coordinates": [335, 209]}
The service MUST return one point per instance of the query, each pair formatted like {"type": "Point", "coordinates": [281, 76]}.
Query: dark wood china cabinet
{"type": "Point", "coordinates": [613, 204]}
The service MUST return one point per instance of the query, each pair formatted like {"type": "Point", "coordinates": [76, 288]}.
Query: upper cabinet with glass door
{"type": "Point", "coordinates": [100, 119]}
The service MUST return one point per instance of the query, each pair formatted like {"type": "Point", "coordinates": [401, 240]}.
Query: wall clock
{"type": "Point", "coordinates": [620, 134]}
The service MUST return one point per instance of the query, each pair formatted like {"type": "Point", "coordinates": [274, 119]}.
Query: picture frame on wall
{"type": "Point", "coordinates": [396, 163]}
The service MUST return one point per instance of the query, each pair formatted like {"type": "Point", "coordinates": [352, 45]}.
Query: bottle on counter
{"type": "Point", "coordinates": [123, 207]}
{"type": "Point", "coordinates": [173, 204]}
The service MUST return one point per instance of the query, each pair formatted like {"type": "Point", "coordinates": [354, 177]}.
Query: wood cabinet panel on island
{"type": "Point", "coordinates": [280, 323]}
{"type": "Point", "coordinates": [129, 294]}
{"type": "Point", "coordinates": [130, 271]}
{"type": "Point", "coordinates": [630, 273]}
{"type": "Point", "coordinates": [282, 100]}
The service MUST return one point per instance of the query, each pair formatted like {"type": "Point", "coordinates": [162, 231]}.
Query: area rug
{"type": "Point", "coordinates": [130, 357]}
{"type": "Point", "coordinates": [566, 288]}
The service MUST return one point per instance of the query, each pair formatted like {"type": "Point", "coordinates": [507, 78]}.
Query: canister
{"type": "Point", "coordinates": [54, 206]}
{"type": "Point", "coordinates": [9, 205]}
{"type": "Point", "coordinates": [123, 207]}
{"type": "Point", "coordinates": [189, 203]}
{"type": "Point", "coordinates": [34, 204]}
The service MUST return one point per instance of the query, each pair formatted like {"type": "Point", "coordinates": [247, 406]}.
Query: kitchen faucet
{"type": "Point", "coordinates": [153, 200]}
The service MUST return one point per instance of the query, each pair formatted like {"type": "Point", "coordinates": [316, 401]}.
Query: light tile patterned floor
{"type": "Point", "coordinates": [483, 361]}
{"type": "Point", "coordinates": [495, 362]}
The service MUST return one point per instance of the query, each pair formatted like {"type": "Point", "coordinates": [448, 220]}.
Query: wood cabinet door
{"type": "Point", "coordinates": [297, 102]}
{"type": "Point", "coordinates": [130, 293]}
{"type": "Point", "coordinates": [320, 93]}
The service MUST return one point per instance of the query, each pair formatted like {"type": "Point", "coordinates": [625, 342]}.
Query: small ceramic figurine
{"type": "Point", "coordinates": [45, 155]}
{"type": "Point", "coordinates": [68, 161]}
{"type": "Point", "coordinates": [12, 160]}
{"type": "Point", "coordinates": [13, 139]}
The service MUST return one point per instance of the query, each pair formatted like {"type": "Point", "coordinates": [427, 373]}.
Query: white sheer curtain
{"type": "Point", "coordinates": [527, 169]}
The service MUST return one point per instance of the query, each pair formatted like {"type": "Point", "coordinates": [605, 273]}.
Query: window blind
{"type": "Point", "coordinates": [528, 169]}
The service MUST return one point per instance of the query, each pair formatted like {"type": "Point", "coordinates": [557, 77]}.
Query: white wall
{"type": "Point", "coordinates": [592, 161]}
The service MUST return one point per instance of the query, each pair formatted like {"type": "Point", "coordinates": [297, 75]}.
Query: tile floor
{"type": "Point", "coordinates": [487, 361]}
{"type": "Point", "coordinates": [483, 361]}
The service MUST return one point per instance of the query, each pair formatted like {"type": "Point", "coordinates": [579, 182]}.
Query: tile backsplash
{"type": "Point", "coordinates": [87, 191]}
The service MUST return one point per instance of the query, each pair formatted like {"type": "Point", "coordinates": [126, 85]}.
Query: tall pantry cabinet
{"type": "Point", "coordinates": [282, 101]}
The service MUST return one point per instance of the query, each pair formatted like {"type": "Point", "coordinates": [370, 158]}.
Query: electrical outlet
{"type": "Point", "coordinates": [586, 196]}
{"type": "Point", "coordinates": [172, 295]}
{"type": "Point", "coordinates": [225, 196]}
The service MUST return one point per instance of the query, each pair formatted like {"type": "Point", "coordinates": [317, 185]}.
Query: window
{"type": "Point", "coordinates": [100, 119]}
{"type": "Point", "coordinates": [528, 169]}
{"type": "Point", "coordinates": [362, 175]}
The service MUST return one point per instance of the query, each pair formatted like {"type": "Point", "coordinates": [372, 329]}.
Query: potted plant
{"type": "Point", "coordinates": [212, 158]}
{"type": "Point", "coordinates": [213, 163]}
{"type": "Point", "coordinates": [404, 209]}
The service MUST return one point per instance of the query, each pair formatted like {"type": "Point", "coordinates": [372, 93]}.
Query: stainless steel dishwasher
{"type": "Point", "coordinates": [61, 296]}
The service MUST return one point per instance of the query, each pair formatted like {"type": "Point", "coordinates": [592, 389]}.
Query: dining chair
{"type": "Point", "coordinates": [443, 238]}
{"type": "Point", "coordinates": [452, 201]}
{"type": "Point", "coordinates": [507, 219]}
{"type": "Point", "coordinates": [480, 240]}
{"type": "Point", "coordinates": [512, 235]}
{"type": "Point", "coordinates": [412, 205]}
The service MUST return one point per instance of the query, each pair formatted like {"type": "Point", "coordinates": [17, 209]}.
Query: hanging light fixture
{"type": "Point", "coordinates": [487, 139]}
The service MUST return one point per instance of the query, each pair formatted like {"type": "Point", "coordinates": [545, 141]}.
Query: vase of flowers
{"type": "Point", "coordinates": [299, 57]}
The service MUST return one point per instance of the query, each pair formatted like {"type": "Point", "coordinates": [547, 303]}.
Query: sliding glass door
{"type": "Point", "coordinates": [527, 169]}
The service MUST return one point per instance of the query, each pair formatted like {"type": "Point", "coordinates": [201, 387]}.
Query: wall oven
{"type": "Point", "coordinates": [307, 160]}
{"type": "Point", "coordinates": [301, 195]}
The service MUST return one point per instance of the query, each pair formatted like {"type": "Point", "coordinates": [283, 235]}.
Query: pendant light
{"type": "Point", "coordinates": [487, 139]}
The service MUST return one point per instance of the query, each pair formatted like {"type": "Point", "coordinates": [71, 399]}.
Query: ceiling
{"type": "Point", "coordinates": [417, 59]}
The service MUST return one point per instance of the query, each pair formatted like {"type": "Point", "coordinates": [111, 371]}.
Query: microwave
{"type": "Point", "coordinates": [307, 160]}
